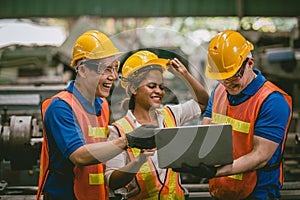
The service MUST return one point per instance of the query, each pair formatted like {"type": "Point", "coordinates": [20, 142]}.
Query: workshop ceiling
{"type": "Point", "coordinates": [148, 8]}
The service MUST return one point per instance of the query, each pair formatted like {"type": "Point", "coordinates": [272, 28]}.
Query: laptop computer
{"type": "Point", "coordinates": [208, 144]}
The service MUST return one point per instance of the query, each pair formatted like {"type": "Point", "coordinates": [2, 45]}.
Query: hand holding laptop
{"type": "Point", "coordinates": [142, 137]}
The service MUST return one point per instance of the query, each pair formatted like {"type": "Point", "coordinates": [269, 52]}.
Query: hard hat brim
{"type": "Point", "coordinates": [119, 53]}
{"type": "Point", "coordinates": [218, 75]}
{"type": "Point", "coordinates": [159, 61]}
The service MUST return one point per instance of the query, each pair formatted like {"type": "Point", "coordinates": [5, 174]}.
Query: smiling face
{"type": "Point", "coordinates": [150, 92]}
{"type": "Point", "coordinates": [234, 85]}
{"type": "Point", "coordinates": [107, 73]}
{"type": "Point", "coordinates": [97, 77]}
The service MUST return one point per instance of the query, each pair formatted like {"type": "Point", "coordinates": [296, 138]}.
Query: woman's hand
{"type": "Point", "coordinates": [177, 67]}
{"type": "Point", "coordinates": [144, 154]}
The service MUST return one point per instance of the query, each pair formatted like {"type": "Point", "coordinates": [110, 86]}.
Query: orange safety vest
{"type": "Point", "coordinates": [151, 188]}
{"type": "Point", "coordinates": [89, 180]}
{"type": "Point", "coordinates": [242, 118]}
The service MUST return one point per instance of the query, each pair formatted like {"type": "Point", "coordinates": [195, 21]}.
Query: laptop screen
{"type": "Point", "coordinates": [208, 144]}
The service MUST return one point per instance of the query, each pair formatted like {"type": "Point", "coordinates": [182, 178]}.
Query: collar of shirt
{"type": "Point", "coordinates": [249, 91]}
{"type": "Point", "coordinates": [130, 115]}
{"type": "Point", "coordinates": [87, 105]}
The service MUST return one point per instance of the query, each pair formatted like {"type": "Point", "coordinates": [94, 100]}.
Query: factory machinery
{"type": "Point", "coordinates": [21, 125]}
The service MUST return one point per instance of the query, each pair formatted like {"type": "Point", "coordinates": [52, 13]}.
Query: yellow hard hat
{"type": "Point", "coordinates": [138, 61]}
{"type": "Point", "coordinates": [93, 45]}
{"type": "Point", "coordinates": [226, 53]}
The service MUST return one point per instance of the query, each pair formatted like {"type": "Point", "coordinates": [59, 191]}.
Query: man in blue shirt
{"type": "Point", "coordinates": [259, 113]}
{"type": "Point", "coordinates": [76, 126]}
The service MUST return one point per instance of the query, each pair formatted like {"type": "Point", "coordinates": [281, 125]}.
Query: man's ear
{"type": "Point", "coordinates": [251, 62]}
{"type": "Point", "coordinates": [82, 71]}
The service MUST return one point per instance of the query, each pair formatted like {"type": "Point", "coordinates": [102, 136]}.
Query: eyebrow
{"type": "Point", "coordinates": [155, 83]}
{"type": "Point", "coordinates": [108, 62]}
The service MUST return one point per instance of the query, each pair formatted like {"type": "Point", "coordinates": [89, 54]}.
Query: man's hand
{"type": "Point", "coordinates": [202, 170]}
{"type": "Point", "coordinates": [142, 137]}
{"type": "Point", "coordinates": [144, 154]}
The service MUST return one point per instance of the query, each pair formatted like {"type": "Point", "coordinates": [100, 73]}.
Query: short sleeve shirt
{"type": "Point", "coordinates": [64, 137]}
{"type": "Point", "coordinates": [183, 113]}
{"type": "Point", "coordinates": [270, 124]}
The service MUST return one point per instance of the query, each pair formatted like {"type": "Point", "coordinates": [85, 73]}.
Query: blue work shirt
{"type": "Point", "coordinates": [64, 137]}
{"type": "Point", "coordinates": [270, 124]}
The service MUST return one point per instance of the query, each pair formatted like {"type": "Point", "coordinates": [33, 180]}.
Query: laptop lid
{"type": "Point", "coordinates": [208, 144]}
